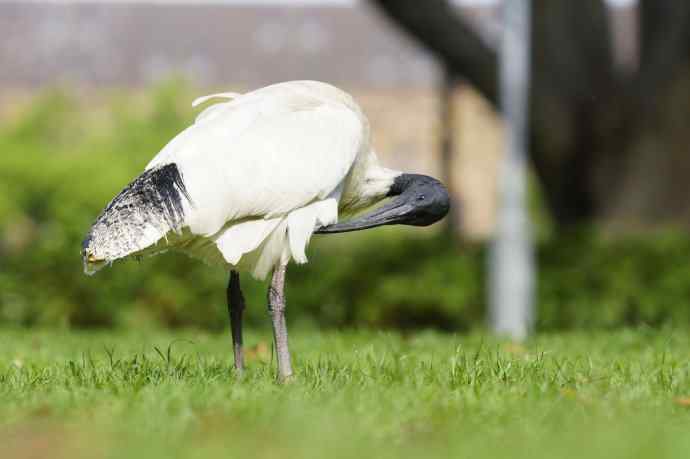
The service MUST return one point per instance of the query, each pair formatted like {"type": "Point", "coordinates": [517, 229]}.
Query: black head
{"type": "Point", "coordinates": [418, 200]}
{"type": "Point", "coordinates": [427, 198]}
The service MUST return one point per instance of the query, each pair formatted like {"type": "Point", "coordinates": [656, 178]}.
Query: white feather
{"type": "Point", "coordinates": [243, 237]}
{"type": "Point", "coordinates": [302, 222]}
{"type": "Point", "coordinates": [222, 95]}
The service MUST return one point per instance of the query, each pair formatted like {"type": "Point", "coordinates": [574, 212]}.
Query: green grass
{"type": "Point", "coordinates": [357, 394]}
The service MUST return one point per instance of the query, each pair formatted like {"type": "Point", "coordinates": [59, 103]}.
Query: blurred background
{"type": "Point", "coordinates": [90, 90]}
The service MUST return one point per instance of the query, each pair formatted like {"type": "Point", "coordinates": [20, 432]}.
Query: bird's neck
{"type": "Point", "coordinates": [369, 184]}
{"type": "Point", "coordinates": [379, 181]}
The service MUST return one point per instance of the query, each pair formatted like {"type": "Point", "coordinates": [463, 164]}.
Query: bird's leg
{"type": "Point", "coordinates": [276, 308]}
{"type": "Point", "coordinates": [235, 310]}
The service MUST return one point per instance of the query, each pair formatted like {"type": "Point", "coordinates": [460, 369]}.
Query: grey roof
{"type": "Point", "coordinates": [134, 44]}
{"type": "Point", "coordinates": [115, 44]}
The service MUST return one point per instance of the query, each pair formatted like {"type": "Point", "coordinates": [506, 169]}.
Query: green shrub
{"type": "Point", "coordinates": [60, 164]}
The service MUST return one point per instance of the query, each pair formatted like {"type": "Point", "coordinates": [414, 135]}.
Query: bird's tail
{"type": "Point", "coordinates": [142, 214]}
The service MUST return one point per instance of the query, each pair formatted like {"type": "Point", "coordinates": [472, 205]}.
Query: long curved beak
{"type": "Point", "coordinates": [388, 214]}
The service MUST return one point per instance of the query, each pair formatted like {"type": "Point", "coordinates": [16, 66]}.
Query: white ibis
{"type": "Point", "coordinates": [247, 185]}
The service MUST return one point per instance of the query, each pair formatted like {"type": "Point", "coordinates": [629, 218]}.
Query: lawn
{"type": "Point", "coordinates": [357, 394]}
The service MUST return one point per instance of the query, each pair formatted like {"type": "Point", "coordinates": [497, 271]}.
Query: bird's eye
{"type": "Point", "coordinates": [421, 197]}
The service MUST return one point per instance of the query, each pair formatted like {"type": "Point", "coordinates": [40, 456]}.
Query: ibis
{"type": "Point", "coordinates": [250, 181]}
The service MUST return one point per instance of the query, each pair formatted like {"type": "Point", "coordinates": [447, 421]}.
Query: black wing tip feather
{"type": "Point", "coordinates": [168, 180]}
{"type": "Point", "coordinates": [161, 187]}
{"type": "Point", "coordinates": [157, 193]}
{"type": "Point", "coordinates": [170, 188]}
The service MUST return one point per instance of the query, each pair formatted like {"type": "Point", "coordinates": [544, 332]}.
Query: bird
{"type": "Point", "coordinates": [249, 182]}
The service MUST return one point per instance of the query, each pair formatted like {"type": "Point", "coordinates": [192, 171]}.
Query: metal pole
{"type": "Point", "coordinates": [512, 259]}
{"type": "Point", "coordinates": [447, 114]}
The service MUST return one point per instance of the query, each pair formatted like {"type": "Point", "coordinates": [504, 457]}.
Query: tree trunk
{"type": "Point", "coordinates": [605, 145]}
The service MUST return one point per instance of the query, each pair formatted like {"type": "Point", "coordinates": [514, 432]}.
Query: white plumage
{"type": "Point", "coordinates": [262, 171]}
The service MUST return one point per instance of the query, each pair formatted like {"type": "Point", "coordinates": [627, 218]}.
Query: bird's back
{"type": "Point", "coordinates": [256, 173]}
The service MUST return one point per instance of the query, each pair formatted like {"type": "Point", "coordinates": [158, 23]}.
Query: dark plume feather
{"type": "Point", "coordinates": [145, 211]}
